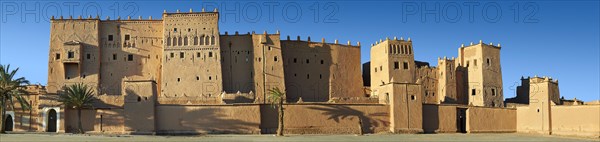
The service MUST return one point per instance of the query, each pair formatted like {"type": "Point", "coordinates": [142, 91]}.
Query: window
{"type": "Point", "coordinates": [307, 76]}
{"type": "Point", "coordinates": [473, 92]}
{"type": "Point", "coordinates": [172, 55]}
{"type": "Point", "coordinates": [488, 62]}
{"type": "Point", "coordinates": [475, 62]}
{"type": "Point", "coordinates": [322, 62]}
{"type": "Point", "coordinates": [396, 65]}
{"type": "Point", "coordinates": [209, 54]}
{"type": "Point", "coordinates": [493, 92]}
{"type": "Point", "coordinates": [405, 65]}
{"type": "Point", "coordinates": [127, 37]}
{"type": "Point", "coordinates": [412, 97]}
{"type": "Point", "coordinates": [295, 60]}
{"type": "Point", "coordinates": [110, 37]}
{"type": "Point", "coordinates": [175, 29]}
{"type": "Point", "coordinates": [181, 54]}
{"type": "Point", "coordinates": [178, 79]}
{"type": "Point", "coordinates": [275, 59]}
{"type": "Point", "coordinates": [57, 56]}
{"type": "Point", "coordinates": [71, 55]}
{"type": "Point", "coordinates": [130, 57]}
{"type": "Point", "coordinates": [185, 41]}
{"type": "Point", "coordinates": [467, 64]}
{"type": "Point", "coordinates": [197, 78]}
{"type": "Point", "coordinates": [198, 54]}
{"type": "Point", "coordinates": [88, 56]}
{"type": "Point", "coordinates": [114, 56]}
{"type": "Point", "coordinates": [307, 61]}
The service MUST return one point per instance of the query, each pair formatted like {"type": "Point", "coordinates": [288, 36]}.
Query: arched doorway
{"type": "Point", "coordinates": [8, 123]}
{"type": "Point", "coordinates": [51, 121]}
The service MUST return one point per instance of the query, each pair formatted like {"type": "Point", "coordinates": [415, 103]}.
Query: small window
{"type": "Point", "coordinates": [473, 92]}
{"type": "Point", "coordinates": [110, 37]}
{"type": "Point", "coordinates": [396, 65]}
{"type": "Point", "coordinates": [210, 54]}
{"type": "Point", "coordinates": [197, 78]}
{"type": "Point", "coordinates": [178, 79]}
{"type": "Point", "coordinates": [127, 37]}
{"type": "Point", "coordinates": [475, 62]}
{"type": "Point", "coordinates": [375, 69]}
{"type": "Point", "coordinates": [307, 76]}
{"type": "Point", "coordinates": [295, 60]}
{"type": "Point", "coordinates": [488, 62]}
{"type": "Point", "coordinates": [412, 97]}
{"type": "Point", "coordinates": [493, 92]}
{"type": "Point", "coordinates": [275, 59]}
{"type": "Point", "coordinates": [198, 54]}
{"type": "Point", "coordinates": [381, 68]}
{"type": "Point", "coordinates": [172, 54]}
{"type": "Point", "coordinates": [114, 56]}
{"type": "Point", "coordinates": [71, 55]}
{"type": "Point", "coordinates": [405, 64]}
{"type": "Point", "coordinates": [175, 29]}
{"type": "Point", "coordinates": [467, 64]}
{"type": "Point", "coordinates": [307, 61]}
{"type": "Point", "coordinates": [130, 57]}
{"type": "Point", "coordinates": [88, 56]}
{"type": "Point", "coordinates": [57, 56]}
{"type": "Point", "coordinates": [181, 54]}
{"type": "Point", "coordinates": [322, 62]}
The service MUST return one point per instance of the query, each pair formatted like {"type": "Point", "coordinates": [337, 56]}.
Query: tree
{"type": "Point", "coordinates": [11, 89]}
{"type": "Point", "coordinates": [77, 96]}
{"type": "Point", "coordinates": [276, 98]}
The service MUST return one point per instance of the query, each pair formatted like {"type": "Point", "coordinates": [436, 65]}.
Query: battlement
{"type": "Point", "coordinates": [248, 33]}
{"type": "Point", "coordinates": [388, 39]}
{"type": "Point", "coordinates": [542, 79]}
{"type": "Point", "coordinates": [446, 59]}
{"type": "Point", "coordinates": [97, 17]}
{"type": "Point", "coordinates": [215, 11]}
{"type": "Point", "coordinates": [481, 43]}
{"type": "Point", "coordinates": [323, 41]}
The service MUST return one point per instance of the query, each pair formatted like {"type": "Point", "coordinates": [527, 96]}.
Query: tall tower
{"type": "Point", "coordinates": [483, 74]}
{"type": "Point", "coordinates": [447, 81]}
{"type": "Point", "coordinates": [191, 64]}
{"type": "Point", "coordinates": [392, 60]}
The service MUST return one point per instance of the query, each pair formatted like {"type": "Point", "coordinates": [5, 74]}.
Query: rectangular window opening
{"type": "Point", "coordinates": [396, 65]}
{"type": "Point", "coordinates": [130, 57]}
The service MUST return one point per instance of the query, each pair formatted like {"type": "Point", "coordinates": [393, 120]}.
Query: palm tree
{"type": "Point", "coordinates": [11, 89]}
{"type": "Point", "coordinates": [276, 98]}
{"type": "Point", "coordinates": [77, 96]}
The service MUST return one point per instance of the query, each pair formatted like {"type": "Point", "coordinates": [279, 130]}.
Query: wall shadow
{"type": "Point", "coordinates": [340, 112]}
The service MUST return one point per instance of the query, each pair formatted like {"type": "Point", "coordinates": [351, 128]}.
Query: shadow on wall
{"type": "Point", "coordinates": [431, 118]}
{"type": "Point", "coordinates": [339, 112]}
{"type": "Point", "coordinates": [189, 120]}
{"type": "Point", "coordinates": [307, 69]}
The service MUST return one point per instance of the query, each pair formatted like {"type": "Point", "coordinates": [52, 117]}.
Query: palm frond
{"type": "Point", "coordinates": [77, 96]}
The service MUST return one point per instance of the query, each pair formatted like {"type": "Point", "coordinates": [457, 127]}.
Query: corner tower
{"type": "Point", "coordinates": [483, 74]}
{"type": "Point", "coordinates": [392, 60]}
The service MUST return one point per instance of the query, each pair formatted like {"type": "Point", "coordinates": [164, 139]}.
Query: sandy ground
{"type": "Point", "coordinates": [342, 138]}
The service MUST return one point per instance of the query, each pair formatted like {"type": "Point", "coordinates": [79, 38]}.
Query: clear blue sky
{"type": "Point", "coordinates": [545, 38]}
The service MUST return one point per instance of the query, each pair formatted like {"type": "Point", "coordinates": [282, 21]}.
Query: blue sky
{"type": "Point", "coordinates": [560, 39]}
